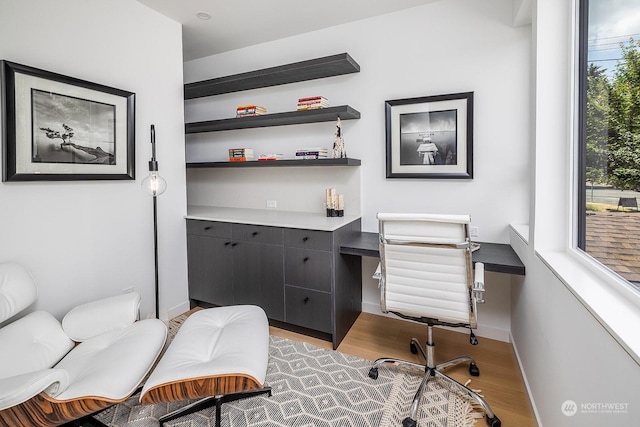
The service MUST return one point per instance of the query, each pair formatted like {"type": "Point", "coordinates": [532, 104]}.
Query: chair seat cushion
{"type": "Point", "coordinates": [111, 366]}
{"type": "Point", "coordinates": [32, 343]}
{"type": "Point", "coordinates": [221, 341]}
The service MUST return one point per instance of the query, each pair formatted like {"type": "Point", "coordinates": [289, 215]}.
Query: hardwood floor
{"type": "Point", "coordinates": [500, 380]}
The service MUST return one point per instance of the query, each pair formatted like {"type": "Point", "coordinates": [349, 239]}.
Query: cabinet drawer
{"type": "Point", "coordinates": [307, 308]}
{"type": "Point", "coordinates": [209, 228]}
{"type": "Point", "coordinates": [309, 239]}
{"type": "Point", "coordinates": [308, 269]}
{"type": "Point", "coordinates": [257, 234]}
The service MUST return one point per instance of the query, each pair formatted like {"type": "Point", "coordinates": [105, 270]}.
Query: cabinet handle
{"type": "Point", "coordinates": [227, 243]}
{"type": "Point", "coordinates": [233, 245]}
{"type": "Point", "coordinates": [305, 259]}
{"type": "Point", "coordinates": [305, 300]}
{"type": "Point", "coordinates": [255, 233]}
{"type": "Point", "coordinates": [207, 228]}
{"type": "Point", "coordinates": [304, 239]}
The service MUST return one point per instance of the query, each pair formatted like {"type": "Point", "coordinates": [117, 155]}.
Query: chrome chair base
{"type": "Point", "coordinates": [434, 371]}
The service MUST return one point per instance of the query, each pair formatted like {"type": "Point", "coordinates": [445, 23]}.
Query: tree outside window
{"type": "Point", "coordinates": [610, 140]}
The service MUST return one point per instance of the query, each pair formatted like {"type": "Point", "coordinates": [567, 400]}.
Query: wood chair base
{"type": "Point", "coordinates": [42, 411]}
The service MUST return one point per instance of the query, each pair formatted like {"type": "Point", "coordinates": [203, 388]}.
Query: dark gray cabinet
{"type": "Point", "coordinates": [236, 264]}
{"type": "Point", "coordinates": [297, 275]}
{"type": "Point", "coordinates": [210, 278]}
{"type": "Point", "coordinates": [257, 277]}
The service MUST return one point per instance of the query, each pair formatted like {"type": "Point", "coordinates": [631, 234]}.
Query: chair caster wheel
{"type": "Point", "coordinates": [474, 371]}
{"type": "Point", "coordinates": [373, 373]}
{"type": "Point", "coordinates": [493, 422]}
{"type": "Point", "coordinates": [408, 422]}
{"type": "Point", "coordinates": [413, 348]}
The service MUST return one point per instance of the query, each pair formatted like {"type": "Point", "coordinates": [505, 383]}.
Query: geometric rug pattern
{"type": "Point", "coordinates": [315, 387]}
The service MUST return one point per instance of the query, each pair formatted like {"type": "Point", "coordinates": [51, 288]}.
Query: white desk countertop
{"type": "Point", "coordinates": [269, 217]}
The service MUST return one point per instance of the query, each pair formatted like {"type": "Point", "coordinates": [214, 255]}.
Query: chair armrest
{"type": "Point", "coordinates": [20, 388]}
{"type": "Point", "coordinates": [94, 318]}
{"type": "Point", "coordinates": [378, 273]}
{"type": "Point", "coordinates": [478, 283]}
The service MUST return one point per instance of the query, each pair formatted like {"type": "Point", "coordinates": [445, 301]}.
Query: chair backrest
{"type": "Point", "coordinates": [426, 270]}
{"type": "Point", "coordinates": [17, 290]}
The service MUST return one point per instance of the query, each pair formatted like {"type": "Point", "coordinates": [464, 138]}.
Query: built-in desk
{"type": "Point", "coordinates": [497, 257]}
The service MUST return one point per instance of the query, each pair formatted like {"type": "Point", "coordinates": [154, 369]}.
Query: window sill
{"type": "Point", "coordinates": [608, 298]}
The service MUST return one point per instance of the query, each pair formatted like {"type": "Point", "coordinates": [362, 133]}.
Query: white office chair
{"type": "Point", "coordinates": [425, 275]}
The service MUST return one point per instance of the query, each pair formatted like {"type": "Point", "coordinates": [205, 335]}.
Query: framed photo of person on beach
{"type": "Point", "coordinates": [430, 137]}
{"type": "Point", "coordinates": [59, 128]}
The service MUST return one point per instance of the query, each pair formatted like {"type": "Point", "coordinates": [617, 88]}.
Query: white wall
{"type": "Point", "coordinates": [88, 239]}
{"type": "Point", "coordinates": [565, 352]}
{"type": "Point", "coordinates": [446, 47]}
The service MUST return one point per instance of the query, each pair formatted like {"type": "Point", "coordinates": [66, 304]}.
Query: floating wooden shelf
{"type": "Point", "coordinates": [329, 114]}
{"type": "Point", "coordinates": [317, 68]}
{"type": "Point", "coordinates": [276, 163]}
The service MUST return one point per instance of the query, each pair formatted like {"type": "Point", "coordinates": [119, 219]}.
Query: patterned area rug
{"type": "Point", "coordinates": [315, 387]}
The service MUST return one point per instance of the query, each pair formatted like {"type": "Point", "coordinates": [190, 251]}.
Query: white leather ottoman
{"type": "Point", "coordinates": [219, 354]}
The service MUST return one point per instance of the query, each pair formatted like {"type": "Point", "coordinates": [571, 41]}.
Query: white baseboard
{"type": "Point", "coordinates": [176, 310]}
{"type": "Point", "coordinates": [526, 383]}
{"type": "Point", "coordinates": [484, 331]}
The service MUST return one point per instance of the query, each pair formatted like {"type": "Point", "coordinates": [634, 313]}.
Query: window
{"type": "Point", "coordinates": [609, 135]}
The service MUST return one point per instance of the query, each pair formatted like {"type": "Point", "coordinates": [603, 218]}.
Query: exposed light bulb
{"type": "Point", "coordinates": [154, 184]}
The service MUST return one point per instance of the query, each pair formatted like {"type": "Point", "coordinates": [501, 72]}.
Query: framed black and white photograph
{"type": "Point", "coordinates": [60, 128]}
{"type": "Point", "coordinates": [430, 137]}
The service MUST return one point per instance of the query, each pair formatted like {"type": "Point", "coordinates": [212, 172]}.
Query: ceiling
{"type": "Point", "coordinates": [237, 24]}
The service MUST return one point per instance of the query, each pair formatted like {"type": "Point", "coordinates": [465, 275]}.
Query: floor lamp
{"type": "Point", "coordinates": [154, 185]}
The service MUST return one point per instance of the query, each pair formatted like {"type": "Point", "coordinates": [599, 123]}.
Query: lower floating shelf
{"type": "Point", "coordinates": [277, 163]}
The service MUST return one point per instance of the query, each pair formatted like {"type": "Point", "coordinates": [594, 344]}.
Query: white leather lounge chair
{"type": "Point", "coordinates": [53, 373]}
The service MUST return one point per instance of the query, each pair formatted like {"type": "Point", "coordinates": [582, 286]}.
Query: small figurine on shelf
{"type": "Point", "coordinates": [339, 150]}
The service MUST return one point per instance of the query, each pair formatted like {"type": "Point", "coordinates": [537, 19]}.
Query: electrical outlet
{"type": "Point", "coordinates": [473, 231]}
{"type": "Point", "coordinates": [127, 290]}
{"type": "Point", "coordinates": [272, 204]}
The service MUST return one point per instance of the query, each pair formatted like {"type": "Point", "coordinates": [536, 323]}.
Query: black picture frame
{"type": "Point", "coordinates": [60, 128]}
{"type": "Point", "coordinates": [430, 137]}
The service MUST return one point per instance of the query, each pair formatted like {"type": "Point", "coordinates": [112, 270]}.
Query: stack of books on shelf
{"type": "Point", "coordinates": [312, 153]}
{"type": "Point", "coordinates": [250, 110]}
{"type": "Point", "coordinates": [240, 154]}
{"type": "Point", "coordinates": [312, 103]}
{"type": "Point", "coordinates": [267, 157]}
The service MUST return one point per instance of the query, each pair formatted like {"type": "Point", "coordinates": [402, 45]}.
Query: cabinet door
{"type": "Point", "coordinates": [210, 269]}
{"type": "Point", "coordinates": [259, 277]}
{"type": "Point", "coordinates": [308, 269]}
{"type": "Point", "coordinates": [310, 309]}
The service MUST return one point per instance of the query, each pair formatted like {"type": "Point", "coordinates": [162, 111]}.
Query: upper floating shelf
{"type": "Point", "coordinates": [329, 114]}
{"type": "Point", "coordinates": [317, 68]}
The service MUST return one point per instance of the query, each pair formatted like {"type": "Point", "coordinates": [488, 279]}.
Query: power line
{"type": "Point", "coordinates": [606, 44]}
{"type": "Point", "coordinates": [614, 37]}
{"type": "Point", "coordinates": [605, 49]}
